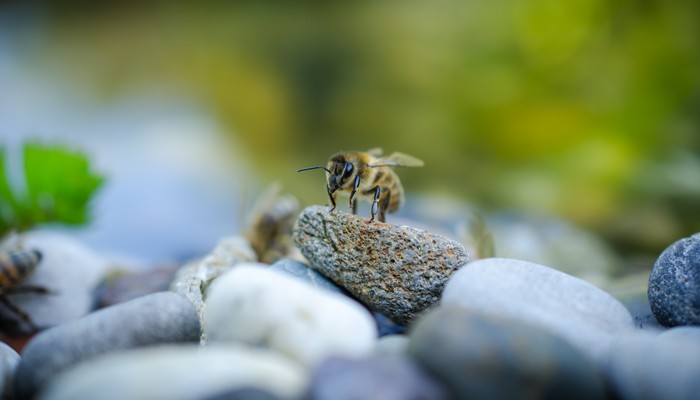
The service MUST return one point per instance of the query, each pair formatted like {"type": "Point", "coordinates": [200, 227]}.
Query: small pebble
{"type": "Point", "coordinates": [8, 364]}
{"type": "Point", "coordinates": [481, 356]}
{"type": "Point", "coordinates": [674, 284]}
{"type": "Point", "coordinates": [255, 305]}
{"type": "Point", "coordinates": [644, 365]}
{"type": "Point", "coordinates": [377, 377]}
{"type": "Point", "coordinates": [395, 270]}
{"type": "Point", "coordinates": [158, 318]}
{"type": "Point", "coordinates": [566, 306]}
{"type": "Point", "coordinates": [181, 372]}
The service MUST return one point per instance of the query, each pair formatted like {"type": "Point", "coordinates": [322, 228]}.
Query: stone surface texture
{"type": "Point", "coordinates": [396, 270]}
{"type": "Point", "coordinates": [674, 284]}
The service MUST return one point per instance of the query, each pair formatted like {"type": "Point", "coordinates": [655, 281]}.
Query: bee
{"type": "Point", "coordinates": [369, 175]}
{"type": "Point", "coordinates": [16, 266]}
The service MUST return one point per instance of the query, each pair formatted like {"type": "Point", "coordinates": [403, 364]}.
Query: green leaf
{"type": "Point", "coordinates": [7, 199]}
{"type": "Point", "coordinates": [60, 184]}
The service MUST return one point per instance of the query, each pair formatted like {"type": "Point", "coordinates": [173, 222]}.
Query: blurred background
{"type": "Point", "coordinates": [585, 111]}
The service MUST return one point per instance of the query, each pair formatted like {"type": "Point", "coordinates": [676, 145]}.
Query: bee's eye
{"type": "Point", "coordinates": [348, 170]}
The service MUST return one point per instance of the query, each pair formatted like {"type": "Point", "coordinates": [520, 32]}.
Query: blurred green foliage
{"type": "Point", "coordinates": [588, 109]}
{"type": "Point", "coordinates": [58, 185]}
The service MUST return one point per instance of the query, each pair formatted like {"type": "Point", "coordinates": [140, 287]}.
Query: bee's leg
{"type": "Point", "coordinates": [32, 289]}
{"type": "Point", "coordinates": [331, 195]}
{"type": "Point", "coordinates": [375, 203]}
{"type": "Point", "coordinates": [385, 204]}
{"type": "Point", "coordinates": [19, 312]}
{"type": "Point", "coordinates": [355, 185]}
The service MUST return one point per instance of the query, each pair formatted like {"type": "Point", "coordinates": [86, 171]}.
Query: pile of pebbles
{"type": "Point", "coordinates": [371, 311]}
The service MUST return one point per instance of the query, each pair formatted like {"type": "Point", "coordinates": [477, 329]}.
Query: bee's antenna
{"type": "Point", "coordinates": [308, 168]}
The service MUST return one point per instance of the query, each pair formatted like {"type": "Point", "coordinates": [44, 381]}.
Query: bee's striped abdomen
{"type": "Point", "coordinates": [16, 267]}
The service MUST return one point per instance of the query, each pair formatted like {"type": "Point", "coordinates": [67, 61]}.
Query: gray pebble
{"type": "Point", "coordinates": [396, 270]}
{"type": "Point", "coordinates": [377, 377]}
{"type": "Point", "coordinates": [8, 363]}
{"type": "Point", "coordinates": [674, 284]}
{"type": "Point", "coordinates": [647, 365]}
{"type": "Point", "coordinates": [481, 356]}
{"type": "Point", "coordinates": [164, 317]}
{"type": "Point", "coordinates": [564, 305]}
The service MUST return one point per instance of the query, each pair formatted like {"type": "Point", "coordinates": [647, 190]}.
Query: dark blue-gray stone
{"type": "Point", "coordinates": [380, 377]}
{"type": "Point", "coordinates": [674, 284]}
{"type": "Point", "coordinates": [164, 317]}
{"type": "Point", "coordinates": [481, 356]}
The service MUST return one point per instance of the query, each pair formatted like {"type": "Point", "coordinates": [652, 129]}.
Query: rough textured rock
{"type": "Point", "coordinates": [644, 365]}
{"type": "Point", "coordinates": [674, 284]}
{"type": "Point", "coordinates": [564, 305]}
{"type": "Point", "coordinates": [396, 270]}
{"type": "Point", "coordinates": [255, 305]}
{"type": "Point", "coordinates": [193, 279]}
{"type": "Point", "coordinates": [481, 356]}
{"type": "Point", "coordinates": [158, 318]}
{"type": "Point", "coordinates": [378, 377]}
{"type": "Point", "coordinates": [178, 372]}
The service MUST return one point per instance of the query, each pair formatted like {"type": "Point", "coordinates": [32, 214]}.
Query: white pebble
{"type": "Point", "coordinates": [258, 306]}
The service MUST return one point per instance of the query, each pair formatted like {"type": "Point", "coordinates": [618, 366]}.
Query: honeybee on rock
{"type": "Point", "coordinates": [16, 266]}
{"type": "Point", "coordinates": [368, 175]}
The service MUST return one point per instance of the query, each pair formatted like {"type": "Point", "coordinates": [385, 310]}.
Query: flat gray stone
{"type": "Point", "coordinates": [482, 356]}
{"type": "Point", "coordinates": [396, 270]}
{"type": "Point", "coordinates": [379, 377]}
{"type": "Point", "coordinates": [164, 317]}
{"type": "Point", "coordinates": [564, 305]}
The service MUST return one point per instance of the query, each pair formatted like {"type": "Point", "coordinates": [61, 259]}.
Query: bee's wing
{"type": "Point", "coordinates": [375, 152]}
{"type": "Point", "coordinates": [397, 160]}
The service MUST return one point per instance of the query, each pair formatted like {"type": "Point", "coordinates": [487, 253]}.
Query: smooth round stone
{"type": "Point", "coordinates": [8, 363]}
{"type": "Point", "coordinates": [564, 305]}
{"type": "Point", "coordinates": [178, 372]}
{"type": "Point", "coordinates": [69, 270]}
{"type": "Point", "coordinates": [159, 318]}
{"type": "Point", "coordinates": [377, 377]}
{"type": "Point", "coordinates": [255, 305]}
{"type": "Point", "coordinates": [674, 284]}
{"type": "Point", "coordinates": [645, 365]}
{"type": "Point", "coordinates": [481, 356]}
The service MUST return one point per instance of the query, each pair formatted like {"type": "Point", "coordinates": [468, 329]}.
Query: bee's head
{"type": "Point", "coordinates": [339, 172]}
